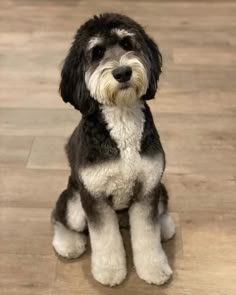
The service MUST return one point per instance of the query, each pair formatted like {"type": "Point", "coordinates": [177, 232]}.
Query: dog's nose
{"type": "Point", "coordinates": [122, 74]}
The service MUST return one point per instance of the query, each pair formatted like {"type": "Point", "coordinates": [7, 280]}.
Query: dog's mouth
{"type": "Point", "coordinates": [124, 85]}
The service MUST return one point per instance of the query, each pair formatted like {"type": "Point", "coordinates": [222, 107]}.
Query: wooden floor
{"type": "Point", "coordinates": [195, 112]}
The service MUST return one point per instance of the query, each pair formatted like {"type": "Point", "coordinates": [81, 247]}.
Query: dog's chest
{"type": "Point", "coordinates": [118, 178]}
{"type": "Point", "coordinates": [126, 128]}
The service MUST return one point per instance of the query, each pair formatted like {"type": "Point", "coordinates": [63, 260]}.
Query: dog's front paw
{"type": "Point", "coordinates": [109, 270]}
{"type": "Point", "coordinates": [154, 271]}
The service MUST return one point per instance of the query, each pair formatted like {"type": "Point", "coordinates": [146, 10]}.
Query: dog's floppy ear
{"type": "Point", "coordinates": [155, 59]}
{"type": "Point", "coordinates": [72, 86]}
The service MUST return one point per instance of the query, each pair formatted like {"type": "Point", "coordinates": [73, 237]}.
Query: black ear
{"type": "Point", "coordinates": [72, 86]}
{"type": "Point", "coordinates": [155, 60]}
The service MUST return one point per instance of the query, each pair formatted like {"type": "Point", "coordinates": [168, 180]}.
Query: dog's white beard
{"type": "Point", "coordinates": [105, 89]}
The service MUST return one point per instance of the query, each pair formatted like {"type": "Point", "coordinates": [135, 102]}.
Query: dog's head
{"type": "Point", "coordinates": [112, 61]}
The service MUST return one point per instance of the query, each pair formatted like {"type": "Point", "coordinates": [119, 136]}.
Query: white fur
{"type": "Point", "coordinates": [167, 227]}
{"type": "Point", "coordinates": [67, 243]}
{"type": "Point", "coordinates": [149, 258]}
{"type": "Point", "coordinates": [75, 214]}
{"type": "Point", "coordinates": [93, 42]}
{"type": "Point", "coordinates": [121, 33]}
{"type": "Point", "coordinates": [108, 254]}
{"type": "Point", "coordinates": [118, 177]}
{"type": "Point", "coordinates": [106, 89]}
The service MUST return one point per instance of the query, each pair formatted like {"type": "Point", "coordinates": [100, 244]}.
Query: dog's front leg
{"type": "Point", "coordinates": [149, 258]}
{"type": "Point", "coordinates": [108, 254]}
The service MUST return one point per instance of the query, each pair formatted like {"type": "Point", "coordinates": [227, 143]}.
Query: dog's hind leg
{"type": "Point", "coordinates": [67, 243]}
{"type": "Point", "coordinates": [166, 222]}
{"type": "Point", "coordinates": [69, 222]}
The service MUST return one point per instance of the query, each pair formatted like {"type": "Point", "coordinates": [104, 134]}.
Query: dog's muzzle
{"type": "Point", "coordinates": [118, 82]}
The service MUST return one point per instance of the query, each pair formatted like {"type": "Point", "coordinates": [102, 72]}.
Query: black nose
{"type": "Point", "coordinates": [122, 74]}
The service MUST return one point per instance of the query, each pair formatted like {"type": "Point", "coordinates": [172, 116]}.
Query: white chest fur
{"type": "Point", "coordinates": [117, 178]}
{"type": "Point", "coordinates": [126, 126]}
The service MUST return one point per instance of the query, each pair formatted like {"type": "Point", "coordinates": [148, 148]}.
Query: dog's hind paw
{"type": "Point", "coordinates": [167, 227]}
{"type": "Point", "coordinates": [67, 243]}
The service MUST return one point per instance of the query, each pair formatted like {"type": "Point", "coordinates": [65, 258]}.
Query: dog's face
{"type": "Point", "coordinates": [117, 70]}
{"type": "Point", "coordinates": [113, 62]}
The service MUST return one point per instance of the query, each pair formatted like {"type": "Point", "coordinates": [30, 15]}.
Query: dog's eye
{"type": "Point", "coordinates": [98, 52]}
{"type": "Point", "coordinates": [126, 43]}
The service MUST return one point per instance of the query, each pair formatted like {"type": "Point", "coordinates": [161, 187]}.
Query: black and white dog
{"type": "Point", "coordinates": [116, 157]}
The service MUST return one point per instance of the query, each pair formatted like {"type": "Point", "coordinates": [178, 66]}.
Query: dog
{"type": "Point", "coordinates": [115, 154]}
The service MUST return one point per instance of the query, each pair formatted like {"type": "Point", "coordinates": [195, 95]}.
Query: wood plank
{"type": "Point", "coordinates": [27, 188]}
{"type": "Point", "coordinates": [194, 102]}
{"type": "Point", "coordinates": [201, 275]}
{"type": "Point", "coordinates": [200, 193]}
{"type": "Point", "coordinates": [26, 231]}
{"type": "Point", "coordinates": [26, 274]}
{"type": "Point", "coordinates": [209, 235]}
{"type": "Point", "coordinates": [209, 158]}
{"type": "Point", "coordinates": [84, 10]}
{"type": "Point", "coordinates": [40, 122]}
{"type": "Point", "coordinates": [204, 56]}
{"type": "Point", "coordinates": [207, 79]}
{"type": "Point", "coordinates": [14, 151]}
{"type": "Point", "coordinates": [48, 153]}
{"type": "Point", "coordinates": [32, 96]}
